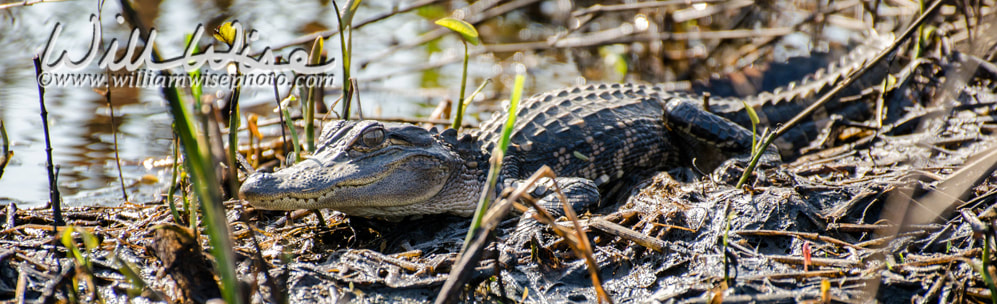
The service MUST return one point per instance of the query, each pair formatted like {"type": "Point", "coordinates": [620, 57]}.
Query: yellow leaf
{"type": "Point", "coordinates": [465, 29]}
{"type": "Point", "coordinates": [226, 32]}
{"type": "Point", "coordinates": [751, 113]}
{"type": "Point", "coordinates": [254, 127]}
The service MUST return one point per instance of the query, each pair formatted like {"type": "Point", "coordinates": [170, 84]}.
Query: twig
{"type": "Point", "coordinates": [474, 16]}
{"type": "Point", "coordinates": [114, 128]}
{"type": "Point", "coordinates": [576, 238]}
{"type": "Point", "coordinates": [928, 261]}
{"type": "Point", "coordinates": [611, 36]}
{"type": "Point", "coordinates": [886, 239]}
{"type": "Point", "coordinates": [598, 8]}
{"type": "Point", "coordinates": [53, 189]}
{"type": "Point", "coordinates": [627, 233]}
{"type": "Point", "coordinates": [797, 275]}
{"type": "Point", "coordinates": [693, 13]}
{"type": "Point", "coordinates": [328, 33]}
{"type": "Point", "coordinates": [842, 263]}
{"type": "Point", "coordinates": [114, 134]}
{"type": "Point", "coordinates": [25, 3]}
{"type": "Point", "coordinates": [935, 288]}
{"type": "Point", "coordinates": [280, 115]}
{"type": "Point", "coordinates": [462, 270]}
{"type": "Point", "coordinates": [802, 235]}
{"type": "Point", "coordinates": [278, 294]}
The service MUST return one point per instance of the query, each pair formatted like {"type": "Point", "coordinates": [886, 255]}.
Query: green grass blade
{"type": "Point", "coordinates": [517, 94]}
{"type": "Point", "coordinates": [462, 107]}
{"type": "Point", "coordinates": [196, 88]}
{"type": "Point", "coordinates": [497, 154]}
{"type": "Point", "coordinates": [469, 34]}
{"type": "Point", "coordinates": [345, 49]}
{"type": "Point", "coordinates": [67, 241]}
{"type": "Point", "coordinates": [985, 269]}
{"type": "Point", "coordinates": [481, 87]}
{"type": "Point", "coordinates": [314, 58]}
{"type": "Point", "coordinates": [173, 182]}
{"type": "Point", "coordinates": [754, 125]}
{"type": "Point", "coordinates": [128, 270]}
{"type": "Point", "coordinates": [199, 165]}
{"type": "Point", "coordinates": [290, 125]}
{"type": "Point", "coordinates": [458, 119]}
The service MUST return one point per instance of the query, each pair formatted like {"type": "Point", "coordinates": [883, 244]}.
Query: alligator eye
{"type": "Point", "coordinates": [373, 137]}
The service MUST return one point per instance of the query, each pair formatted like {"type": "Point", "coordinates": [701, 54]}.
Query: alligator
{"type": "Point", "coordinates": [592, 137]}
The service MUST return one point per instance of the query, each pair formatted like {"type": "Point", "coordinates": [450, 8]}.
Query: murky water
{"type": "Point", "coordinates": [78, 118]}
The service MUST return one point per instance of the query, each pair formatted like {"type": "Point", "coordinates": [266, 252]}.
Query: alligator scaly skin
{"type": "Point", "coordinates": [783, 103]}
{"type": "Point", "coordinates": [591, 136]}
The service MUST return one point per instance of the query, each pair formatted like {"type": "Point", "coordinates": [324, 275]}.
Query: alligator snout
{"type": "Point", "coordinates": [258, 185]}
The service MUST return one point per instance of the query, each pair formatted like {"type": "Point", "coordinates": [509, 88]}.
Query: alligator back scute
{"type": "Point", "coordinates": [597, 132]}
{"type": "Point", "coordinates": [783, 103]}
{"type": "Point", "coordinates": [805, 91]}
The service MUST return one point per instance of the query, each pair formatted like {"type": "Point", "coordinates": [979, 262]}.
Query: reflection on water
{"type": "Point", "coordinates": [81, 138]}
{"type": "Point", "coordinates": [79, 123]}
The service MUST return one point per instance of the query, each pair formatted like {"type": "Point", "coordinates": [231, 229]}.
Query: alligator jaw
{"type": "Point", "coordinates": [406, 167]}
{"type": "Point", "coordinates": [313, 187]}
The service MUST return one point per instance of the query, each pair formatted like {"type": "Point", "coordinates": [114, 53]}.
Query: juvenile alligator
{"type": "Point", "coordinates": [591, 136]}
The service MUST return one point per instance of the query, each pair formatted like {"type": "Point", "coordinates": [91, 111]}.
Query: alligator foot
{"type": "Point", "coordinates": [580, 194]}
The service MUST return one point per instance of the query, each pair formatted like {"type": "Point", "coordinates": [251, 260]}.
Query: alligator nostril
{"type": "Point", "coordinates": [255, 184]}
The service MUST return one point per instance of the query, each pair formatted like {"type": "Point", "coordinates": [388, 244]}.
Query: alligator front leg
{"type": "Point", "coordinates": [714, 139]}
{"type": "Point", "coordinates": [701, 126]}
{"type": "Point", "coordinates": [718, 143]}
{"type": "Point", "coordinates": [581, 194]}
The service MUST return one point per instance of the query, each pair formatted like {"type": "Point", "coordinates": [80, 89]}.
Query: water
{"type": "Point", "coordinates": [79, 123]}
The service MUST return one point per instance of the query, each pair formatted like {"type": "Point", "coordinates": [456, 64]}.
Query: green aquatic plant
{"type": "Point", "coordinates": [468, 34]}
{"type": "Point", "coordinates": [84, 265]}
{"type": "Point", "coordinates": [227, 33]}
{"type": "Point", "coordinates": [290, 126]}
{"type": "Point", "coordinates": [498, 153]}
{"type": "Point", "coordinates": [314, 58]}
{"type": "Point", "coordinates": [346, 48]}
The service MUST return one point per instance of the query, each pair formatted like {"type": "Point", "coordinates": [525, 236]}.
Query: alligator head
{"type": "Point", "coordinates": [364, 168]}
